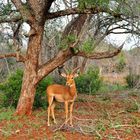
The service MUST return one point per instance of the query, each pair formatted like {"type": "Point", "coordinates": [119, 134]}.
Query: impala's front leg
{"type": "Point", "coordinates": [49, 116]}
{"type": "Point", "coordinates": [71, 110]}
{"type": "Point", "coordinates": [66, 111]}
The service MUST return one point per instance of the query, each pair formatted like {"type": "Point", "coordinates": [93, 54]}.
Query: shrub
{"type": "Point", "coordinates": [121, 63]}
{"type": "Point", "coordinates": [133, 80]}
{"type": "Point", "coordinates": [11, 90]}
{"type": "Point", "coordinates": [40, 97]}
{"type": "Point", "coordinates": [89, 82]}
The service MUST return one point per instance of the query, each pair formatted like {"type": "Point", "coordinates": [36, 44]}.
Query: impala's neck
{"type": "Point", "coordinates": [73, 90]}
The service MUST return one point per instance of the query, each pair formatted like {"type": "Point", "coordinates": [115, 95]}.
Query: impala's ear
{"type": "Point", "coordinates": [76, 75]}
{"type": "Point", "coordinates": [63, 75]}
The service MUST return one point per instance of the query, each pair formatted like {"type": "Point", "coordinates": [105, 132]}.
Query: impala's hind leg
{"type": "Point", "coordinates": [50, 101]}
{"type": "Point", "coordinates": [52, 112]}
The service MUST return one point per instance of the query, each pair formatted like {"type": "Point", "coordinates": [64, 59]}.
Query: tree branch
{"type": "Point", "coordinates": [24, 9]}
{"type": "Point", "coordinates": [18, 4]}
{"type": "Point", "coordinates": [93, 10]}
{"type": "Point", "coordinates": [52, 64]}
{"type": "Point", "coordinates": [21, 58]}
{"type": "Point", "coordinates": [10, 19]}
{"type": "Point", "coordinates": [101, 55]}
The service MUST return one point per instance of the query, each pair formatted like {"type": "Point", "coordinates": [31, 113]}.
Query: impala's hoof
{"type": "Point", "coordinates": [55, 122]}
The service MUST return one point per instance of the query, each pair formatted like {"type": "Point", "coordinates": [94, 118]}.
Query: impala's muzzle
{"type": "Point", "coordinates": [68, 84]}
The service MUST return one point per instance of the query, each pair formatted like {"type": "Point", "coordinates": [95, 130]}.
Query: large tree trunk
{"type": "Point", "coordinates": [28, 90]}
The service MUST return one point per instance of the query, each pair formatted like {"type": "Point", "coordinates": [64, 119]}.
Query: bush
{"type": "Point", "coordinates": [133, 81]}
{"type": "Point", "coordinates": [89, 82]}
{"type": "Point", "coordinates": [40, 97]}
{"type": "Point", "coordinates": [121, 63]}
{"type": "Point", "coordinates": [12, 87]}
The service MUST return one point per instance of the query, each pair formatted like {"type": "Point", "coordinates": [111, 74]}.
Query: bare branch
{"type": "Point", "coordinates": [26, 13]}
{"type": "Point", "coordinates": [93, 10]}
{"type": "Point", "coordinates": [74, 70]}
{"type": "Point", "coordinates": [20, 59]}
{"type": "Point", "coordinates": [18, 4]}
{"type": "Point", "coordinates": [10, 19]}
{"type": "Point", "coordinates": [16, 37]}
{"type": "Point", "coordinates": [101, 55]}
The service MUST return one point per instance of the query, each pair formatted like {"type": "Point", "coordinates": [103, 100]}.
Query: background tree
{"type": "Point", "coordinates": [104, 16]}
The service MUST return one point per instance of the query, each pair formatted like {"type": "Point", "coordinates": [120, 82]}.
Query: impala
{"type": "Point", "coordinates": [61, 93]}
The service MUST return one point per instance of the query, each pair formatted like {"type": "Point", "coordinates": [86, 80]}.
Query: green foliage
{"type": "Point", "coordinates": [133, 80]}
{"type": "Point", "coordinates": [87, 46]}
{"type": "Point", "coordinates": [66, 41]}
{"type": "Point", "coordinates": [6, 114]}
{"type": "Point", "coordinates": [12, 87]}
{"type": "Point", "coordinates": [5, 9]}
{"type": "Point", "coordinates": [121, 63]}
{"type": "Point", "coordinates": [92, 3]}
{"type": "Point", "coordinates": [71, 38]}
{"type": "Point", "coordinates": [40, 97]}
{"type": "Point", "coordinates": [111, 87]}
{"type": "Point", "coordinates": [89, 82]}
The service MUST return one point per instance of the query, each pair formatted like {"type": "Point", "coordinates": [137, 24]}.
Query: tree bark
{"type": "Point", "coordinates": [28, 90]}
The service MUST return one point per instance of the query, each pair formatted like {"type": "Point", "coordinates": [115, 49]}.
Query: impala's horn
{"type": "Point", "coordinates": [75, 70]}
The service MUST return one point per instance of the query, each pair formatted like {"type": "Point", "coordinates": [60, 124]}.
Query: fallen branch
{"type": "Point", "coordinates": [79, 127]}
{"type": "Point", "coordinates": [60, 127]}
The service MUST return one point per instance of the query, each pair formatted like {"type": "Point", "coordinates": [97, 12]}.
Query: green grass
{"type": "Point", "coordinates": [7, 114]}
{"type": "Point", "coordinates": [105, 88]}
{"type": "Point", "coordinates": [58, 136]}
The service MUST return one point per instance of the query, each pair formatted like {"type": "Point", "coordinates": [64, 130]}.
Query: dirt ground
{"type": "Point", "coordinates": [110, 116]}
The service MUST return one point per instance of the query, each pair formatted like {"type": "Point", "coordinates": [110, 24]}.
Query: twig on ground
{"type": "Point", "coordinates": [60, 127]}
{"type": "Point", "coordinates": [9, 133]}
{"type": "Point", "coordinates": [83, 119]}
